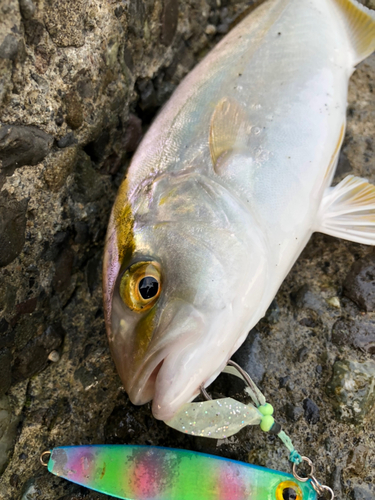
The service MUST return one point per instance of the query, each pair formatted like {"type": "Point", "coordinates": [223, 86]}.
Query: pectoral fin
{"type": "Point", "coordinates": [360, 25]}
{"type": "Point", "coordinates": [229, 129]}
{"type": "Point", "coordinates": [348, 211]}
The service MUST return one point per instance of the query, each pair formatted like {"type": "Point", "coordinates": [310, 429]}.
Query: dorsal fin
{"type": "Point", "coordinates": [228, 129]}
{"type": "Point", "coordinates": [360, 24]}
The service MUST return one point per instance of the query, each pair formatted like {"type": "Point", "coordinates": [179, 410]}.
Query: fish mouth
{"type": "Point", "coordinates": [142, 387]}
{"type": "Point", "coordinates": [173, 378]}
{"type": "Point", "coordinates": [177, 340]}
{"type": "Point", "coordinates": [169, 379]}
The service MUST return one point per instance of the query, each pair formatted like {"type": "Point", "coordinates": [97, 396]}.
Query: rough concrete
{"type": "Point", "coordinates": [79, 83]}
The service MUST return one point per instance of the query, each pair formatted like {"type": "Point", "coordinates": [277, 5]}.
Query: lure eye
{"type": "Point", "coordinates": [140, 285]}
{"type": "Point", "coordinates": [288, 490]}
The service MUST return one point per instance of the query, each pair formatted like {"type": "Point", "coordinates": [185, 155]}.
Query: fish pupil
{"type": "Point", "coordinates": [148, 287]}
{"type": "Point", "coordinates": [289, 494]}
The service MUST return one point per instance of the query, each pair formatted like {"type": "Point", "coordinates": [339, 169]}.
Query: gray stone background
{"type": "Point", "coordinates": [80, 81]}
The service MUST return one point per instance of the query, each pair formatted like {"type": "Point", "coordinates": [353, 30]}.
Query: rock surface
{"type": "Point", "coordinates": [79, 84]}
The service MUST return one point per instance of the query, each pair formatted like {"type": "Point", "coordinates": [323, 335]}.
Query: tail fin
{"type": "Point", "coordinates": [360, 25]}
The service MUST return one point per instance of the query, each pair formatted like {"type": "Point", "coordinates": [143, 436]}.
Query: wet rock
{"type": "Point", "coordinates": [343, 166]}
{"type": "Point", "coordinates": [122, 426]}
{"type": "Point", "coordinates": [9, 47]}
{"type": "Point", "coordinates": [12, 227]}
{"type": "Point", "coordinates": [133, 134]}
{"type": "Point", "coordinates": [58, 413]}
{"type": "Point", "coordinates": [359, 285]}
{"type": "Point", "coordinates": [88, 185]}
{"type": "Point", "coordinates": [308, 322]}
{"type": "Point", "coordinates": [82, 233]}
{"type": "Point", "coordinates": [111, 165]}
{"type": "Point", "coordinates": [92, 272]}
{"type": "Point", "coordinates": [27, 307]}
{"type": "Point", "coordinates": [85, 87]}
{"type": "Point", "coordinates": [305, 297]}
{"type": "Point", "coordinates": [137, 13]}
{"type": "Point", "coordinates": [311, 411]}
{"type": "Point", "coordinates": [27, 8]}
{"type": "Point", "coordinates": [63, 270]}
{"type": "Point", "coordinates": [283, 381]}
{"type": "Point", "coordinates": [8, 431]}
{"type": "Point", "coordinates": [88, 378]}
{"type": "Point", "coordinates": [5, 371]}
{"type": "Point", "coordinates": [34, 31]}
{"type": "Point", "coordinates": [65, 20]}
{"type": "Point", "coordinates": [336, 482]}
{"type": "Point", "coordinates": [363, 492]}
{"type": "Point", "coordinates": [96, 149]}
{"type": "Point", "coordinates": [5, 78]}
{"type": "Point", "coordinates": [60, 242]}
{"type": "Point", "coordinates": [169, 19]}
{"type": "Point", "coordinates": [293, 413]}
{"type": "Point", "coordinates": [34, 356]}
{"type": "Point", "coordinates": [351, 387]}
{"type": "Point", "coordinates": [222, 29]}
{"type": "Point", "coordinates": [14, 480]}
{"type": "Point", "coordinates": [59, 165]}
{"type": "Point", "coordinates": [5, 418]}
{"type": "Point", "coordinates": [302, 354]}
{"type": "Point", "coordinates": [7, 298]}
{"type": "Point", "coordinates": [74, 110]}
{"type": "Point", "coordinates": [21, 146]}
{"type": "Point", "coordinates": [273, 313]}
{"type": "Point", "coordinates": [356, 462]}
{"type": "Point", "coordinates": [147, 94]}
{"type": "Point", "coordinates": [250, 356]}
{"type": "Point", "coordinates": [4, 325]}
{"type": "Point", "coordinates": [357, 333]}
{"type": "Point", "coordinates": [67, 140]}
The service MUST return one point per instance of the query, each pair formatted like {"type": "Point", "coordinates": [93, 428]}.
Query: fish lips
{"type": "Point", "coordinates": [180, 329]}
{"type": "Point", "coordinates": [173, 375]}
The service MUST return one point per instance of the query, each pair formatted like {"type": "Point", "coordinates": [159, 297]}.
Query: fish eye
{"type": "Point", "coordinates": [148, 287]}
{"type": "Point", "coordinates": [288, 490]}
{"type": "Point", "coordinates": [140, 285]}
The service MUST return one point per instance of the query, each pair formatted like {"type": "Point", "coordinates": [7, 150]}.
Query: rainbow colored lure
{"type": "Point", "coordinates": [152, 473]}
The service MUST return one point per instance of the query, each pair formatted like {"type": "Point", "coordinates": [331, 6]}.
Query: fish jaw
{"type": "Point", "coordinates": [190, 355]}
{"type": "Point", "coordinates": [181, 377]}
{"type": "Point", "coordinates": [138, 365]}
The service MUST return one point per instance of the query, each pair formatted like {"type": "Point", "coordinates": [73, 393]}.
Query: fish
{"type": "Point", "coordinates": [224, 192]}
{"type": "Point", "coordinates": [135, 472]}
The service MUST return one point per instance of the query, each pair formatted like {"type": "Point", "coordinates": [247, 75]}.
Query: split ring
{"type": "Point", "coordinates": [43, 455]}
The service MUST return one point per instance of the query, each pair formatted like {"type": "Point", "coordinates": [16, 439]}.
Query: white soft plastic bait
{"type": "Point", "coordinates": [226, 189]}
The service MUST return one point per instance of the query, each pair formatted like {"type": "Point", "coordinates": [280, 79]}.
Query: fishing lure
{"type": "Point", "coordinates": [153, 473]}
{"type": "Point", "coordinates": [133, 472]}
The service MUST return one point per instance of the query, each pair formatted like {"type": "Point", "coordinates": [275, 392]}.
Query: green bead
{"type": "Point", "coordinates": [266, 409]}
{"type": "Point", "coordinates": [266, 423]}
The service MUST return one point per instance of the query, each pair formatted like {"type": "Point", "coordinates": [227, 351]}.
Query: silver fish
{"type": "Point", "coordinates": [226, 189]}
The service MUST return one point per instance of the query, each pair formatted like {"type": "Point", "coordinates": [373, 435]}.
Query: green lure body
{"type": "Point", "coordinates": [152, 473]}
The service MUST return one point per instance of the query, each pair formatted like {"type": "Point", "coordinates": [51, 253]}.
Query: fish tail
{"type": "Point", "coordinates": [360, 26]}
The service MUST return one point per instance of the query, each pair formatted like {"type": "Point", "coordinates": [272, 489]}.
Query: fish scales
{"type": "Point", "coordinates": [226, 189]}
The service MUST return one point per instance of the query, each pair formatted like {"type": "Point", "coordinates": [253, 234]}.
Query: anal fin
{"type": "Point", "coordinates": [348, 211]}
